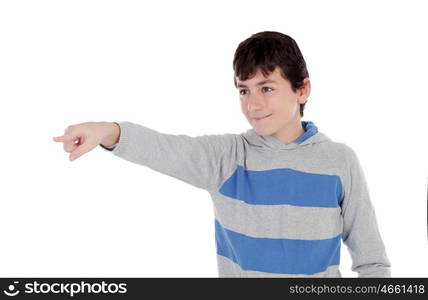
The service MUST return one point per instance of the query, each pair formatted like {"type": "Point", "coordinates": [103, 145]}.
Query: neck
{"type": "Point", "coordinates": [289, 132]}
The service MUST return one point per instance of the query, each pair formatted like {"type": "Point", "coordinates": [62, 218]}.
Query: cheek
{"type": "Point", "coordinates": [289, 106]}
{"type": "Point", "coordinates": [244, 108]}
{"type": "Point", "coordinates": [279, 108]}
{"type": "Point", "coordinates": [284, 110]}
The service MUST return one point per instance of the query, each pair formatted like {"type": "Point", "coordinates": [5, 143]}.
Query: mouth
{"type": "Point", "coordinates": [261, 118]}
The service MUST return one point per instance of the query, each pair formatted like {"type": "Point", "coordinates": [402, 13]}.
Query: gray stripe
{"type": "Point", "coordinates": [278, 221]}
{"type": "Point", "coordinates": [329, 160]}
{"type": "Point", "coordinates": [228, 268]}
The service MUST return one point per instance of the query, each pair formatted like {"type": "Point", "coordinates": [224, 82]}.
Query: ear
{"type": "Point", "coordinates": [304, 91]}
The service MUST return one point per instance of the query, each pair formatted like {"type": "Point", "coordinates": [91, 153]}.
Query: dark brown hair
{"type": "Point", "coordinates": [265, 51]}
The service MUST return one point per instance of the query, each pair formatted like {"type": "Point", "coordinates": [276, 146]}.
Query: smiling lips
{"type": "Point", "coordinates": [257, 119]}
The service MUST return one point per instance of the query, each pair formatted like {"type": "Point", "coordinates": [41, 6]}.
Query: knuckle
{"type": "Point", "coordinates": [68, 147]}
{"type": "Point", "coordinates": [70, 127]}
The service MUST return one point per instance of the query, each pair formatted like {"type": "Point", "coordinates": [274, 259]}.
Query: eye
{"type": "Point", "coordinates": [240, 92]}
{"type": "Point", "coordinates": [267, 88]}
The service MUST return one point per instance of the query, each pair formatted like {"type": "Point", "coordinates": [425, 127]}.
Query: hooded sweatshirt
{"type": "Point", "coordinates": [280, 210]}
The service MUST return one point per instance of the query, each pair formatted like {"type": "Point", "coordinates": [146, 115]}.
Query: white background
{"type": "Point", "coordinates": [168, 65]}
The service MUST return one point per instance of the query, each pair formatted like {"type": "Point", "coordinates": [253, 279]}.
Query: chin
{"type": "Point", "coordinates": [263, 131]}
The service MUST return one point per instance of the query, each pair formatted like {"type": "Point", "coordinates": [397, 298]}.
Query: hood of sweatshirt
{"type": "Point", "coordinates": [311, 136]}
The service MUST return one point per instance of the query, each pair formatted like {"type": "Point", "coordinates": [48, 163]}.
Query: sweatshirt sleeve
{"type": "Point", "coordinates": [360, 230]}
{"type": "Point", "coordinates": [202, 161]}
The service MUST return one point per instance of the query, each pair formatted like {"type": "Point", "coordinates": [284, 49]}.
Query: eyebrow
{"type": "Point", "coordinates": [259, 83]}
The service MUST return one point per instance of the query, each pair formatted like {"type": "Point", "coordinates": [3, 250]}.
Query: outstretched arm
{"type": "Point", "coordinates": [201, 161]}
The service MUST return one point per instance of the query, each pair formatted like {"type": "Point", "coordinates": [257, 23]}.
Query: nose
{"type": "Point", "coordinates": [255, 103]}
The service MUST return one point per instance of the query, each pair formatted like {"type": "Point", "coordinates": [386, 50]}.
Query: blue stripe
{"type": "Point", "coordinates": [270, 255]}
{"type": "Point", "coordinates": [310, 130]}
{"type": "Point", "coordinates": [283, 186]}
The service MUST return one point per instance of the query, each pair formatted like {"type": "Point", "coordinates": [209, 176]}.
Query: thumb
{"type": "Point", "coordinates": [86, 146]}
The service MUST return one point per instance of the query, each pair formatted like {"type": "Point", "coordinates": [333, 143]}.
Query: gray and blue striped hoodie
{"type": "Point", "coordinates": [281, 210]}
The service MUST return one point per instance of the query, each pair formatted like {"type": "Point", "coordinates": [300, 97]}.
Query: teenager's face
{"type": "Point", "coordinates": [271, 97]}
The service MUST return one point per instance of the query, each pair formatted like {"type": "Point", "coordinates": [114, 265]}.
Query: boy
{"type": "Point", "coordinates": [284, 194]}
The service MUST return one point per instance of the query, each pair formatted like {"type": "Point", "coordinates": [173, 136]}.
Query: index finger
{"type": "Point", "coordinates": [63, 138]}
